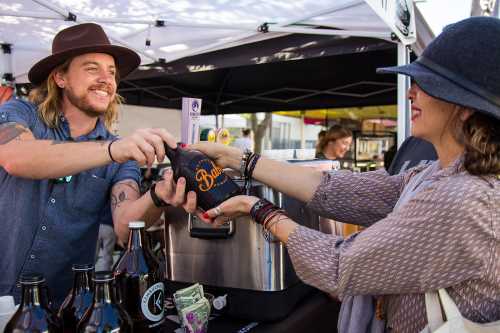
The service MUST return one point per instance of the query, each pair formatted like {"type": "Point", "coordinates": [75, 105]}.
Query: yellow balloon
{"type": "Point", "coordinates": [223, 136]}
{"type": "Point", "coordinates": [211, 136]}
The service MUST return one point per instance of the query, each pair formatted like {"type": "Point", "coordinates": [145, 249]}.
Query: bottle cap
{"type": "Point", "coordinates": [82, 267]}
{"type": "Point", "coordinates": [220, 302]}
{"type": "Point", "coordinates": [30, 279]}
{"type": "Point", "coordinates": [103, 276]}
{"type": "Point", "coordinates": [136, 224]}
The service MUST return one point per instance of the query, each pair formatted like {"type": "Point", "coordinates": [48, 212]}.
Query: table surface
{"type": "Point", "coordinates": [317, 313]}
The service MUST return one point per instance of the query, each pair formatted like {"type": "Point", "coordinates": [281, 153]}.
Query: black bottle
{"type": "Point", "coordinates": [140, 282]}
{"type": "Point", "coordinates": [33, 314]}
{"type": "Point", "coordinates": [105, 315]}
{"type": "Point", "coordinates": [79, 299]}
{"type": "Point", "coordinates": [210, 183]}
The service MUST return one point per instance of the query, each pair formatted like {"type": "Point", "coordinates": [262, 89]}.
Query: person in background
{"type": "Point", "coordinates": [321, 135]}
{"type": "Point", "coordinates": [61, 169]}
{"type": "Point", "coordinates": [389, 156]}
{"type": "Point", "coordinates": [335, 143]}
{"type": "Point", "coordinates": [245, 141]}
{"type": "Point", "coordinates": [413, 151]}
{"type": "Point", "coordinates": [434, 226]}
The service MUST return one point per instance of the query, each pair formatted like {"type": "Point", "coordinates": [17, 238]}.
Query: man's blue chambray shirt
{"type": "Point", "coordinates": [46, 226]}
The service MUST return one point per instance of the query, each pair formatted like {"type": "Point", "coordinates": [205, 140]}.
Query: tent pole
{"type": "Point", "coordinates": [6, 65]}
{"type": "Point", "coordinates": [302, 130]}
{"type": "Point", "coordinates": [322, 12]}
{"type": "Point", "coordinates": [72, 17]}
{"type": "Point", "coordinates": [330, 32]}
{"type": "Point", "coordinates": [35, 15]}
{"type": "Point", "coordinates": [404, 116]}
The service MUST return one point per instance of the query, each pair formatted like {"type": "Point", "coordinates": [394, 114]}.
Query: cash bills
{"type": "Point", "coordinates": [193, 308]}
{"type": "Point", "coordinates": [195, 317]}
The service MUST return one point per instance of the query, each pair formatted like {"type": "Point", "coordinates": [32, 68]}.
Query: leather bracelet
{"type": "Point", "coordinates": [261, 209]}
{"type": "Point", "coordinates": [244, 161]}
{"type": "Point", "coordinates": [109, 150]}
{"type": "Point", "coordinates": [156, 199]}
{"type": "Point", "coordinates": [251, 165]}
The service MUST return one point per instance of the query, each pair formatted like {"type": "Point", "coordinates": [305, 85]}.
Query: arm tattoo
{"type": "Point", "coordinates": [10, 131]}
{"type": "Point", "coordinates": [123, 191]}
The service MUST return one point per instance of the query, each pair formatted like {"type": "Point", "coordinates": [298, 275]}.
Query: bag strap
{"type": "Point", "coordinates": [433, 309]}
{"type": "Point", "coordinates": [434, 302]}
{"type": "Point", "coordinates": [450, 308]}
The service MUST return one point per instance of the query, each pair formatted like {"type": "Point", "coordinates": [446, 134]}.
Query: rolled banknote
{"type": "Point", "coordinates": [195, 317]}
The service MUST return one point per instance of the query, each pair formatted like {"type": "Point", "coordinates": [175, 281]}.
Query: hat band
{"type": "Point", "coordinates": [464, 83]}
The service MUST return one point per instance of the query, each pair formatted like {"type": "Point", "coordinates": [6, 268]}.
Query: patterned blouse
{"type": "Point", "coordinates": [446, 236]}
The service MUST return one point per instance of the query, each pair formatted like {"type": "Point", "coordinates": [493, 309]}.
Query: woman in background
{"type": "Point", "coordinates": [334, 144]}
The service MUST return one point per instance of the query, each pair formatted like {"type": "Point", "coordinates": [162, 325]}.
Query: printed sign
{"type": "Point", "coordinates": [190, 123]}
{"type": "Point", "coordinates": [399, 15]}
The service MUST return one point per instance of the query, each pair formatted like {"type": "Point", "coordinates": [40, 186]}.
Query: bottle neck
{"type": "Point", "coordinates": [82, 282]}
{"type": "Point", "coordinates": [135, 239]}
{"type": "Point", "coordinates": [31, 295]}
{"type": "Point", "coordinates": [171, 154]}
{"type": "Point", "coordinates": [103, 293]}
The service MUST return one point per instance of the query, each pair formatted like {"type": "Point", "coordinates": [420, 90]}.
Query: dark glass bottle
{"type": "Point", "coordinates": [79, 299]}
{"type": "Point", "coordinates": [210, 183]}
{"type": "Point", "coordinates": [33, 314]}
{"type": "Point", "coordinates": [105, 315]}
{"type": "Point", "coordinates": [140, 281]}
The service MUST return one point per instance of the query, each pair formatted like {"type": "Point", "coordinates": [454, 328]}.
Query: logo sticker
{"type": "Point", "coordinates": [153, 301]}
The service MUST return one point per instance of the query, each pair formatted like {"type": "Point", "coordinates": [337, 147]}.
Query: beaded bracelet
{"type": "Point", "coordinates": [261, 209]}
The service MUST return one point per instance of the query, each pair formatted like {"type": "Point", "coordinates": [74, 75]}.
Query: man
{"type": "Point", "coordinates": [61, 170]}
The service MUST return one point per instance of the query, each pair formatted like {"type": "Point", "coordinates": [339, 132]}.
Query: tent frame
{"type": "Point", "coordinates": [293, 26]}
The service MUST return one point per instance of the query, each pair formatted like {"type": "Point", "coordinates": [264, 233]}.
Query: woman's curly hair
{"type": "Point", "coordinates": [481, 138]}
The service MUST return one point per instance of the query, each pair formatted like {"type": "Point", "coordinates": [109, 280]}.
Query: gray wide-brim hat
{"type": "Point", "coordinates": [461, 66]}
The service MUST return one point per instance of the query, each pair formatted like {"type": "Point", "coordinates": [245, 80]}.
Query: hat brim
{"type": "Point", "coordinates": [126, 60]}
{"type": "Point", "coordinates": [442, 88]}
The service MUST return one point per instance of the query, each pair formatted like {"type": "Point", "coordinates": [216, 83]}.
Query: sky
{"type": "Point", "coordinates": [439, 13]}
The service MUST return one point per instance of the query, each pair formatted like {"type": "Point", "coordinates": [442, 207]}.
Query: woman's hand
{"type": "Point", "coordinates": [224, 156]}
{"type": "Point", "coordinates": [233, 207]}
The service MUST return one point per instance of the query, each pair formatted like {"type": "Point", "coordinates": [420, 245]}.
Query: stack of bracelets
{"type": "Point", "coordinates": [263, 211]}
{"type": "Point", "coordinates": [248, 163]}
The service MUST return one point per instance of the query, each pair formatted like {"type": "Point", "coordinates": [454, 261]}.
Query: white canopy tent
{"type": "Point", "coordinates": [166, 30]}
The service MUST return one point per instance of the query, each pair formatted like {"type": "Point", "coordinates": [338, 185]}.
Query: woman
{"type": "Point", "coordinates": [334, 144]}
{"type": "Point", "coordinates": [435, 226]}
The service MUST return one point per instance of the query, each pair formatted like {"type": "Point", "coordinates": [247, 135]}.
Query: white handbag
{"type": "Point", "coordinates": [454, 322]}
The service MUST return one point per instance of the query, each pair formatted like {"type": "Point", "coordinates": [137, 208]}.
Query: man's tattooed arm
{"type": "Point", "coordinates": [123, 191]}
{"type": "Point", "coordinates": [11, 131]}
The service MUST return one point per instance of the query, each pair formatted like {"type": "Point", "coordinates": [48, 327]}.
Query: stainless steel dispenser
{"type": "Point", "coordinates": [238, 259]}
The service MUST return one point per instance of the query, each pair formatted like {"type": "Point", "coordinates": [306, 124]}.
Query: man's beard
{"type": "Point", "coordinates": [82, 104]}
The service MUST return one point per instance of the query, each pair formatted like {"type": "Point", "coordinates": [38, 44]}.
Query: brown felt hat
{"type": "Point", "coordinates": [80, 39]}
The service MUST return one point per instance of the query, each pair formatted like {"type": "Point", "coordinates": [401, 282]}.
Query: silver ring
{"type": "Point", "coordinates": [217, 210]}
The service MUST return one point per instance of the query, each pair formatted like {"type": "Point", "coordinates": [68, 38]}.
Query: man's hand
{"type": "Point", "coordinates": [174, 193]}
{"type": "Point", "coordinates": [143, 146]}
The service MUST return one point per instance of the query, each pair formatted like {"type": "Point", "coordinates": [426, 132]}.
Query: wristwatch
{"type": "Point", "coordinates": [156, 199]}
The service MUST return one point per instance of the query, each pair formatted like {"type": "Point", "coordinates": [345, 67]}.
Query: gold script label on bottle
{"type": "Point", "coordinates": [207, 179]}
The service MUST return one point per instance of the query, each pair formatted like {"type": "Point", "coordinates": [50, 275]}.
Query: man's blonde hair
{"type": "Point", "coordinates": [48, 97]}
